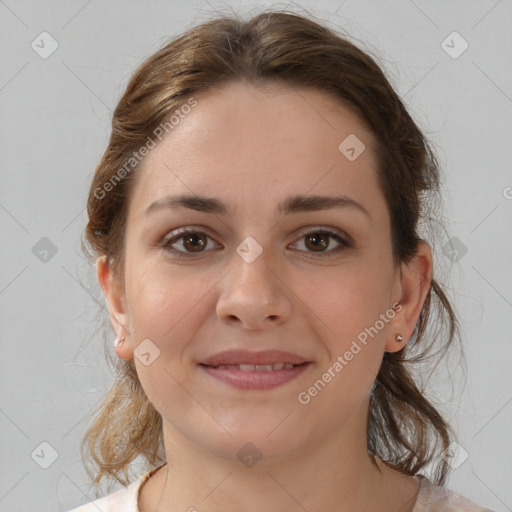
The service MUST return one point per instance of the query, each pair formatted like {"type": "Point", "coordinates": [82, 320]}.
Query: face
{"type": "Point", "coordinates": [316, 281]}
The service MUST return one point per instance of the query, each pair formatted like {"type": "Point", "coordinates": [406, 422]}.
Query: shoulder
{"type": "Point", "coordinates": [124, 499]}
{"type": "Point", "coordinates": [434, 498]}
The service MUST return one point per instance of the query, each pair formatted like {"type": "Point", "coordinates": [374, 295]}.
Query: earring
{"type": "Point", "coordinates": [118, 342]}
{"type": "Point", "coordinates": [399, 338]}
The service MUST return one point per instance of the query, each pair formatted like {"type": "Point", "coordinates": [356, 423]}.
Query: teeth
{"type": "Point", "coordinates": [256, 367]}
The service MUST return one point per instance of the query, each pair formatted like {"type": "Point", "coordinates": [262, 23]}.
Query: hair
{"type": "Point", "coordinates": [404, 429]}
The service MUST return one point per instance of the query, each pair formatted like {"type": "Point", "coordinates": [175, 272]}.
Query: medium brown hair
{"type": "Point", "coordinates": [404, 429]}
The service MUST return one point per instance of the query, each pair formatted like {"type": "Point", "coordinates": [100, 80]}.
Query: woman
{"type": "Point", "coordinates": [254, 222]}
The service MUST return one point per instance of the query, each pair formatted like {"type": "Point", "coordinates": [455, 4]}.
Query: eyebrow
{"type": "Point", "coordinates": [292, 204]}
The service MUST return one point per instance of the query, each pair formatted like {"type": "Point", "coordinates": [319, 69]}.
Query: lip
{"type": "Point", "coordinates": [255, 379]}
{"type": "Point", "coordinates": [235, 357]}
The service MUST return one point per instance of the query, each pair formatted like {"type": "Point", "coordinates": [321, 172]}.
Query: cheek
{"type": "Point", "coordinates": [346, 310]}
{"type": "Point", "coordinates": [161, 300]}
{"type": "Point", "coordinates": [166, 309]}
{"type": "Point", "coordinates": [348, 298]}
{"type": "Point", "coordinates": [349, 303]}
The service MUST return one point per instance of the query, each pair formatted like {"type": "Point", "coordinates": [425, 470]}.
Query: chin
{"type": "Point", "coordinates": [261, 444]}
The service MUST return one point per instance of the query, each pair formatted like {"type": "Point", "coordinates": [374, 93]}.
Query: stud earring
{"type": "Point", "coordinates": [118, 342]}
{"type": "Point", "coordinates": [399, 338]}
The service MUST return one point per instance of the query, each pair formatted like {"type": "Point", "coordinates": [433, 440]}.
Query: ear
{"type": "Point", "coordinates": [114, 294]}
{"type": "Point", "coordinates": [414, 283]}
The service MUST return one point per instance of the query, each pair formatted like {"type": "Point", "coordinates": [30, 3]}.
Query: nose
{"type": "Point", "coordinates": [254, 295]}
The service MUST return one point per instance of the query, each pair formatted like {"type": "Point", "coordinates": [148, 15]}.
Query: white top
{"type": "Point", "coordinates": [431, 498]}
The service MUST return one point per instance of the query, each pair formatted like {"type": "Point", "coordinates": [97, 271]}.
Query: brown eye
{"type": "Point", "coordinates": [194, 242]}
{"type": "Point", "coordinates": [320, 242]}
{"type": "Point", "coordinates": [186, 242]}
{"type": "Point", "coordinates": [317, 242]}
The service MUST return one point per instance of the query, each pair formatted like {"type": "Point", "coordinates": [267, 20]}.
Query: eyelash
{"type": "Point", "coordinates": [167, 243]}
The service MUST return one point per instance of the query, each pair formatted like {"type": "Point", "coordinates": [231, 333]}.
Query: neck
{"type": "Point", "coordinates": [336, 474]}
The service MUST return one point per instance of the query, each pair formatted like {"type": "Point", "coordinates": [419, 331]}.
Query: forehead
{"type": "Point", "coordinates": [250, 144]}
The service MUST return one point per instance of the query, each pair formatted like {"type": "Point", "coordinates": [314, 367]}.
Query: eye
{"type": "Point", "coordinates": [319, 240]}
{"type": "Point", "coordinates": [190, 241]}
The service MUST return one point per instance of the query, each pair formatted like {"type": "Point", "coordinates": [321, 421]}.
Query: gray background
{"type": "Point", "coordinates": [55, 124]}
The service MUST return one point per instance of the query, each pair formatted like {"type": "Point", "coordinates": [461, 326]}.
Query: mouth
{"type": "Point", "coordinates": [255, 367]}
{"type": "Point", "coordinates": [248, 358]}
{"type": "Point", "coordinates": [255, 376]}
